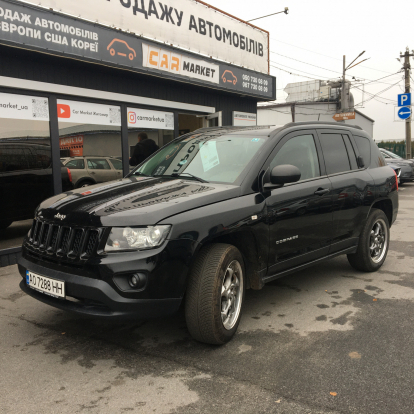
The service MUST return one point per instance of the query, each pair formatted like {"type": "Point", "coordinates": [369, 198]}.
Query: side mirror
{"type": "Point", "coordinates": [282, 174]}
{"type": "Point", "coordinates": [360, 162]}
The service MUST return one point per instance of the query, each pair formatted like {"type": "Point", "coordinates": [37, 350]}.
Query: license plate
{"type": "Point", "coordinates": [52, 287]}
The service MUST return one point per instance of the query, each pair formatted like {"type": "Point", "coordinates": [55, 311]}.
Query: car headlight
{"type": "Point", "coordinates": [136, 238]}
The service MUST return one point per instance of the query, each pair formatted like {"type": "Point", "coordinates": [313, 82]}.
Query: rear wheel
{"type": "Point", "coordinates": [215, 294]}
{"type": "Point", "coordinates": [373, 243]}
{"type": "Point", "coordinates": [84, 183]}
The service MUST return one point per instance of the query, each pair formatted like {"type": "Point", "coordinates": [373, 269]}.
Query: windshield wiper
{"type": "Point", "coordinates": [191, 175]}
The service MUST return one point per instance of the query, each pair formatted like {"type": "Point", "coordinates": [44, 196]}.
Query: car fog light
{"type": "Point", "coordinates": [137, 280]}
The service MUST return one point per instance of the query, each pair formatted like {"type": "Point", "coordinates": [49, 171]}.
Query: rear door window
{"type": "Point", "coordinates": [76, 164]}
{"type": "Point", "coordinates": [97, 164]}
{"type": "Point", "coordinates": [335, 153]}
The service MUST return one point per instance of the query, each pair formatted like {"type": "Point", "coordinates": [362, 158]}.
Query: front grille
{"type": "Point", "coordinates": [63, 242]}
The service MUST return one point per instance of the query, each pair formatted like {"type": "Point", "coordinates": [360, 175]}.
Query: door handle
{"type": "Point", "coordinates": [321, 191]}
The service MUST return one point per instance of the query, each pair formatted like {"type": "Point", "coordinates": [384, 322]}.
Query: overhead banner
{"type": "Point", "coordinates": [188, 24]}
{"type": "Point", "coordinates": [244, 119]}
{"type": "Point", "coordinates": [143, 118]}
{"type": "Point", "coordinates": [30, 27]}
{"type": "Point", "coordinates": [88, 113]}
{"type": "Point", "coordinates": [23, 107]}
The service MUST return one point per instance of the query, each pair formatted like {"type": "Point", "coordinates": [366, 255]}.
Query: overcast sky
{"type": "Point", "coordinates": [320, 32]}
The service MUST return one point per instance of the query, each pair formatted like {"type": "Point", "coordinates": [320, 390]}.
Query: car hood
{"type": "Point", "coordinates": [133, 201]}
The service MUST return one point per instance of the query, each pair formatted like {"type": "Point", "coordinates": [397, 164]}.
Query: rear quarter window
{"type": "Point", "coordinates": [364, 147]}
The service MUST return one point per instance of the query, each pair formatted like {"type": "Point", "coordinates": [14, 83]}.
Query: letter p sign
{"type": "Point", "coordinates": [404, 99]}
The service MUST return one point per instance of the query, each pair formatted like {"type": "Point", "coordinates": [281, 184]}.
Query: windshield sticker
{"type": "Point", "coordinates": [255, 140]}
{"type": "Point", "coordinates": [209, 155]}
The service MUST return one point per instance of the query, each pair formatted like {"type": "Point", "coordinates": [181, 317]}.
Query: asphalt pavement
{"type": "Point", "coordinates": [328, 339]}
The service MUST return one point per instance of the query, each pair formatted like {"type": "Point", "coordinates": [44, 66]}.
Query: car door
{"type": "Point", "coordinates": [117, 166]}
{"type": "Point", "coordinates": [352, 186]}
{"type": "Point", "coordinates": [299, 214]}
{"type": "Point", "coordinates": [100, 170]}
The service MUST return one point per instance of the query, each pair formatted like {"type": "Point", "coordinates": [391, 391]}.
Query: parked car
{"type": "Point", "coordinates": [210, 214]}
{"type": "Point", "coordinates": [91, 170]}
{"type": "Point", "coordinates": [397, 170]}
{"type": "Point", "coordinates": [407, 166]}
{"type": "Point", "coordinates": [25, 180]}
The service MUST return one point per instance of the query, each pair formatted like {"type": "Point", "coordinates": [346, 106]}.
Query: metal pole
{"type": "Point", "coordinates": [343, 89]}
{"type": "Point", "coordinates": [407, 68]}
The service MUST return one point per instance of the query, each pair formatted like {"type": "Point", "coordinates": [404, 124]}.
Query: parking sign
{"type": "Point", "coordinates": [404, 99]}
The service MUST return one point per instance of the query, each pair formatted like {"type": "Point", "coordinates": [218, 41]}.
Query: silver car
{"type": "Point", "coordinates": [89, 170]}
{"type": "Point", "coordinates": [407, 166]}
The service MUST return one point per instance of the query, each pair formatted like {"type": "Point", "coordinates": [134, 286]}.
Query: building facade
{"type": "Point", "coordinates": [75, 94]}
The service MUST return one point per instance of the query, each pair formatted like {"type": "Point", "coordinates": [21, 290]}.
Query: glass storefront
{"type": "Point", "coordinates": [157, 125]}
{"type": "Point", "coordinates": [90, 147]}
{"type": "Point", "coordinates": [25, 163]}
{"type": "Point", "coordinates": [90, 141]}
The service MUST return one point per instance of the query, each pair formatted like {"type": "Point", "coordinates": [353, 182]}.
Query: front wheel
{"type": "Point", "coordinates": [373, 243]}
{"type": "Point", "coordinates": [215, 294]}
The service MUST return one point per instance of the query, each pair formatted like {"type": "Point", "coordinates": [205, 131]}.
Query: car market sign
{"type": "Point", "coordinates": [188, 24]}
{"type": "Point", "coordinates": [34, 28]}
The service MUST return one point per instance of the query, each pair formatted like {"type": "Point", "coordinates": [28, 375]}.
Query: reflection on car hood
{"type": "Point", "coordinates": [133, 201]}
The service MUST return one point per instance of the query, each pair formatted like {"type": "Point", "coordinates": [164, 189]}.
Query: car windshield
{"type": "Point", "coordinates": [204, 158]}
{"type": "Point", "coordinates": [392, 155]}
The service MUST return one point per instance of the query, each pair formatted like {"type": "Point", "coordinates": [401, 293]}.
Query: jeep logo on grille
{"type": "Point", "coordinates": [60, 216]}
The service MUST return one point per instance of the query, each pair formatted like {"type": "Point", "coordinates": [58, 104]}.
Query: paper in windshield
{"type": "Point", "coordinates": [209, 155]}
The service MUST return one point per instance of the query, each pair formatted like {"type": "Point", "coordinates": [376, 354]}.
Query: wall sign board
{"type": "Point", "coordinates": [188, 24]}
{"type": "Point", "coordinates": [23, 107]}
{"type": "Point", "coordinates": [43, 30]}
{"type": "Point", "coordinates": [143, 118]}
{"type": "Point", "coordinates": [244, 119]}
{"type": "Point", "coordinates": [88, 113]}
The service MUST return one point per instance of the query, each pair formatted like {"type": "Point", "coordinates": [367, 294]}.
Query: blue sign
{"type": "Point", "coordinates": [404, 112]}
{"type": "Point", "coordinates": [404, 99]}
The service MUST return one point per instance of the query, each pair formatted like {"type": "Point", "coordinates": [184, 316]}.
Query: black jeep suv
{"type": "Point", "coordinates": [210, 214]}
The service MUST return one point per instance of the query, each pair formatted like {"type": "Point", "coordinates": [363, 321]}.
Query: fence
{"type": "Point", "coordinates": [395, 147]}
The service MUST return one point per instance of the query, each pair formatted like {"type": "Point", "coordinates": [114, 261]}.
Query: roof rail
{"type": "Point", "coordinates": [321, 123]}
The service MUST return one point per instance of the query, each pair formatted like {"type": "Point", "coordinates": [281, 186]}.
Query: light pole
{"type": "Point", "coordinates": [286, 11]}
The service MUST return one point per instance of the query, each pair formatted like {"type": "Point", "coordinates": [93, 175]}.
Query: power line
{"type": "Point", "coordinates": [299, 70]}
{"type": "Point", "coordinates": [310, 64]}
{"type": "Point", "coordinates": [321, 54]}
{"type": "Point", "coordinates": [291, 73]}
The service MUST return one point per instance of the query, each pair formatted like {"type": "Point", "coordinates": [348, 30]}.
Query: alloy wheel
{"type": "Point", "coordinates": [231, 294]}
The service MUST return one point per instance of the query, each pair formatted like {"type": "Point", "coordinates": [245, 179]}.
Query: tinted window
{"type": "Point", "coordinates": [12, 159]}
{"type": "Point", "coordinates": [76, 164]}
{"type": "Point", "coordinates": [117, 164]}
{"type": "Point", "coordinates": [334, 153]}
{"type": "Point", "coordinates": [96, 164]}
{"type": "Point", "coordinates": [44, 157]}
{"type": "Point", "coordinates": [301, 152]}
{"type": "Point", "coordinates": [364, 148]}
{"type": "Point", "coordinates": [351, 152]}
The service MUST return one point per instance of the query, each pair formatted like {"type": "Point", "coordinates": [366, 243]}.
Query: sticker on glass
{"type": "Point", "coordinates": [209, 155]}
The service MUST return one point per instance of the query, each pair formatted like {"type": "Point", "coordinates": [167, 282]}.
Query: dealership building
{"type": "Point", "coordinates": [78, 90]}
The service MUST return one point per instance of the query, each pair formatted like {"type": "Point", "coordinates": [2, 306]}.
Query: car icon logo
{"type": "Point", "coordinates": [228, 77]}
{"type": "Point", "coordinates": [121, 48]}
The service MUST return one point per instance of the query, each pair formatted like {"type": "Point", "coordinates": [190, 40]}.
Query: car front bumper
{"type": "Point", "coordinates": [96, 290]}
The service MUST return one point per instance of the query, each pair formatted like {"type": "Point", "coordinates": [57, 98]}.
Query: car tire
{"type": "Point", "coordinates": [4, 224]}
{"type": "Point", "coordinates": [85, 183]}
{"type": "Point", "coordinates": [215, 294]}
{"type": "Point", "coordinates": [373, 243]}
